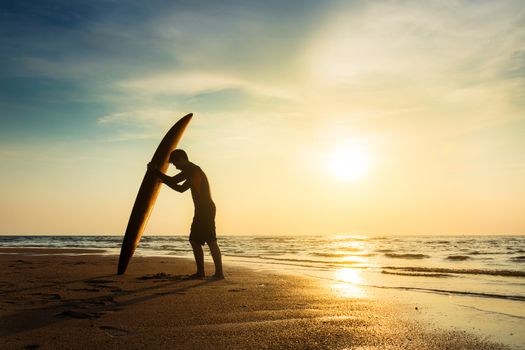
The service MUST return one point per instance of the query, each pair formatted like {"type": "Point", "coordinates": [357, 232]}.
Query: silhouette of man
{"type": "Point", "coordinates": [202, 231]}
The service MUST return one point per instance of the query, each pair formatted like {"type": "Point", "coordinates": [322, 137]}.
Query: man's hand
{"type": "Point", "coordinates": [151, 167]}
{"type": "Point", "coordinates": [159, 174]}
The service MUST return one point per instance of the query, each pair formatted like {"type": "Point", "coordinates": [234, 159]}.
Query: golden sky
{"type": "Point", "coordinates": [336, 117]}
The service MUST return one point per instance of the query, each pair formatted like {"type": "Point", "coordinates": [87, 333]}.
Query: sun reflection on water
{"type": "Point", "coordinates": [348, 285]}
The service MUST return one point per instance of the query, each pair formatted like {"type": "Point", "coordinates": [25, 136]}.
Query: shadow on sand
{"type": "Point", "coordinates": [91, 307]}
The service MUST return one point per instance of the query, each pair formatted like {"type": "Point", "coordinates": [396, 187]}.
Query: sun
{"type": "Point", "coordinates": [349, 163]}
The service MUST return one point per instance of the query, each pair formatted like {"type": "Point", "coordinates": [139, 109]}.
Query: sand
{"type": "Point", "coordinates": [77, 301]}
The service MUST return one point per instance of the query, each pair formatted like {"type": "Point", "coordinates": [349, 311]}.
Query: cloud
{"type": "Point", "coordinates": [194, 83]}
{"type": "Point", "coordinates": [430, 38]}
{"type": "Point", "coordinates": [445, 60]}
{"type": "Point", "coordinates": [142, 124]}
{"type": "Point", "coordinates": [148, 116]}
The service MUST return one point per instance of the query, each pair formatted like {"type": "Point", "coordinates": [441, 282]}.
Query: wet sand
{"type": "Point", "coordinates": [78, 301]}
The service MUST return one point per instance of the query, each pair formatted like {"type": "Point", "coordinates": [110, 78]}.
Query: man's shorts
{"type": "Point", "coordinates": [203, 226]}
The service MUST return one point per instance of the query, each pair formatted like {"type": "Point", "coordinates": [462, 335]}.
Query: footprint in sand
{"type": "Point", "coordinates": [32, 346]}
{"type": "Point", "coordinates": [97, 281]}
{"type": "Point", "coordinates": [80, 314]}
{"type": "Point", "coordinates": [23, 261]}
{"type": "Point", "coordinates": [5, 285]}
{"type": "Point", "coordinates": [114, 332]}
{"type": "Point", "coordinates": [103, 301]}
{"type": "Point", "coordinates": [49, 296]}
{"type": "Point", "coordinates": [100, 284]}
{"type": "Point", "coordinates": [85, 290]}
{"type": "Point", "coordinates": [22, 264]}
{"type": "Point", "coordinates": [160, 275]}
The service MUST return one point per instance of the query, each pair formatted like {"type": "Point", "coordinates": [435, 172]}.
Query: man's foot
{"type": "Point", "coordinates": [217, 276]}
{"type": "Point", "coordinates": [196, 276]}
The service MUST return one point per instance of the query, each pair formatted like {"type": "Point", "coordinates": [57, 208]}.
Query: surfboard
{"type": "Point", "coordinates": [148, 192]}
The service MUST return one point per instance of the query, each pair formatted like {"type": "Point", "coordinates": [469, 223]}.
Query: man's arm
{"type": "Point", "coordinates": [173, 182]}
{"type": "Point", "coordinates": [174, 185]}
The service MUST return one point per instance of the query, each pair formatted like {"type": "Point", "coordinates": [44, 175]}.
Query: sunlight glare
{"type": "Point", "coordinates": [349, 163]}
{"type": "Point", "coordinates": [350, 281]}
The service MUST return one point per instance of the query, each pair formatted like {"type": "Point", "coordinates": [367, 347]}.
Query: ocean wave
{"type": "Point", "coordinates": [332, 263]}
{"type": "Point", "coordinates": [415, 274]}
{"type": "Point", "coordinates": [477, 252]}
{"type": "Point", "coordinates": [162, 247]}
{"type": "Point", "coordinates": [506, 273]}
{"type": "Point", "coordinates": [247, 256]}
{"type": "Point", "coordinates": [330, 255]}
{"type": "Point", "coordinates": [438, 242]}
{"type": "Point", "coordinates": [341, 254]}
{"type": "Point", "coordinates": [280, 252]}
{"type": "Point", "coordinates": [458, 292]}
{"type": "Point", "coordinates": [169, 251]}
{"type": "Point", "coordinates": [350, 238]}
{"type": "Point", "coordinates": [350, 249]}
{"type": "Point", "coordinates": [379, 238]}
{"type": "Point", "coordinates": [458, 257]}
{"type": "Point", "coordinates": [406, 256]}
{"type": "Point", "coordinates": [439, 291]}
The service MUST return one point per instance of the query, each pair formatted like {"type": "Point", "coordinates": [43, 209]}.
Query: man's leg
{"type": "Point", "coordinates": [199, 257]}
{"type": "Point", "coordinates": [217, 259]}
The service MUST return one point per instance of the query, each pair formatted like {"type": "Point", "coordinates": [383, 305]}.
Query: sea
{"type": "Point", "coordinates": [465, 283]}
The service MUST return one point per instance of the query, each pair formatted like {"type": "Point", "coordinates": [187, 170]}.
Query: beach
{"type": "Point", "coordinates": [72, 298]}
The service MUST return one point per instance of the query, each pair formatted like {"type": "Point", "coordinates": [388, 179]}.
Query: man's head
{"type": "Point", "coordinates": [179, 158]}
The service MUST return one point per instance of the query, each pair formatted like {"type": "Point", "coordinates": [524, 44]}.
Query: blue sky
{"type": "Point", "coordinates": [431, 92]}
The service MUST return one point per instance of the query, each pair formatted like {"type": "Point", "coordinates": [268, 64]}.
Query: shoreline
{"type": "Point", "coordinates": [57, 301]}
{"type": "Point", "coordinates": [49, 251]}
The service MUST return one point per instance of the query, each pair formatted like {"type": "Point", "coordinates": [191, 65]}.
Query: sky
{"type": "Point", "coordinates": [310, 117]}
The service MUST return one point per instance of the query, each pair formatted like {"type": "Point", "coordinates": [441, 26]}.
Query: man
{"type": "Point", "coordinates": [203, 225]}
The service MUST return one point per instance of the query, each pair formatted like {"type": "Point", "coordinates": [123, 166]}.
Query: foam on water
{"type": "Point", "coordinates": [472, 264]}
